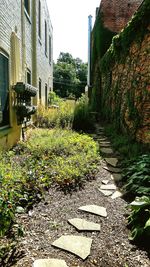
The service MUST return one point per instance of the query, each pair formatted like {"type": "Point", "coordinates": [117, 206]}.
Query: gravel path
{"type": "Point", "coordinates": [48, 221]}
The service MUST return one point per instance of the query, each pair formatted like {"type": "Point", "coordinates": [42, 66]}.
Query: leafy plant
{"type": "Point", "coordinates": [136, 176]}
{"type": "Point", "coordinates": [139, 219]}
{"type": "Point", "coordinates": [83, 119]}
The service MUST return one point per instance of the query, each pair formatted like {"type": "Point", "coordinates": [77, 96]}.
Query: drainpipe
{"type": "Point", "coordinates": [23, 41]}
{"type": "Point", "coordinates": [89, 50]}
{"type": "Point", "coordinates": [34, 47]}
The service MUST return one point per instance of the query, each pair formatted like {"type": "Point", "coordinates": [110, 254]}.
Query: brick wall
{"type": "Point", "coordinates": [116, 13]}
{"type": "Point", "coordinates": [122, 78]}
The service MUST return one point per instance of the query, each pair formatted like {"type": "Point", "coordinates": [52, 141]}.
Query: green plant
{"type": "Point", "coordinates": [139, 219]}
{"type": "Point", "coordinates": [136, 176]}
{"type": "Point", "coordinates": [61, 116]}
{"type": "Point", "coordinates": [60, 156]}
{"type": "Point", "coordinates": [83, 119]}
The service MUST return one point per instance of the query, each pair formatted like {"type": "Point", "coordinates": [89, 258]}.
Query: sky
{"type": "Point", "coordinates": [70, 26]}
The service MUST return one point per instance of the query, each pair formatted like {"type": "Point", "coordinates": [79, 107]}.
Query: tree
{"type": "Point", "coordinates": [70, 76]}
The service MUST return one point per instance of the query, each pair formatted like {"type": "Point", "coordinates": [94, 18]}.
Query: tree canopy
{"type": "Point", "coordinates": [70, 76]}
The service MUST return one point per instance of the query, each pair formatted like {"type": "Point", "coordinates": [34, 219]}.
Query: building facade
{"type": "Point", "coordinates": [26, 49]}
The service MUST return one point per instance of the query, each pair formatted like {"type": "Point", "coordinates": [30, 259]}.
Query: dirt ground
{"type": "Point", "coordinates": [48, 221]}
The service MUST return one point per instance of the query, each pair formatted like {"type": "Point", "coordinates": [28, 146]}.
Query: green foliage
{"type": "Point", "coordinates": [139, 219]}
{"type": "Point", "coordinates": [123, 143]}
{"type": "Point", "coordinates": [136, 176]}
{"type": "Point", "coordinates": [60, 156]}
{"type": "Point", "coordinates": [61, 116]}
{"type": "Point", "coordinates": [70, 76]}
{"type": "Point", "coordinates": [8, 195]}
{"type": "Point", "coordinates": [48, 156]}
{"type": "Point", "coordinates": [102, 38]}
{"type": "Point", "coordinates": [54, 99]}
{"type": "Point", "coordinates": [83, 119]}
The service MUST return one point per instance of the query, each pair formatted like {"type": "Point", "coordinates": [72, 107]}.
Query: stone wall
{"type": "Point", "coordinates": [122, 78]}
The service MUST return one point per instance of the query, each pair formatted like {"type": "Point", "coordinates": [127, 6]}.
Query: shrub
{"type": "Point", "coordinates": [83, 119]}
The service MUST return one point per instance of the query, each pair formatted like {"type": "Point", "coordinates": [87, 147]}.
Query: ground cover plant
{"type": "Point", "coordinates": [48, 156]}
{"type": "Point", "coordinates": [139, 219]}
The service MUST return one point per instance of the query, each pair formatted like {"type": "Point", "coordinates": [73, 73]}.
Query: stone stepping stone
{"type": "Point", "coordinates": [105, 181]}
{"type": "Point", "coordinates": [112, 161]}
{"type": "Point", "coordinates": [106, 150]}
{"type": "Point", "coordinates": [105, 144]}
{"type": "Point", "coordinates": [108, 187]}
{"type": "Point", "coordinates": [116, 177]}
{"type": "Point", "coordinates": [112, 169]}
{"type": "Point", "coordinates": [49, 263]}
{"type": "Point", "coordinates": [106, 193]}
{"type": "Point", "coordinates": [116, 195]}
{"type": "Point", "coordinates": [83, 225]}
{"type": "Point", "coordinates": [101, 211]}
{"type": "Point", "coordinates": [78, 245]}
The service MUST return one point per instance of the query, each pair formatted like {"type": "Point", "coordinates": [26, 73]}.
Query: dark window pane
{"type": "Point", "coordinates": [28, 77]}
{"type": "Point", "coordinates": [46, 99]}
{"type": "Point", "coordinates": [40, 83]}
{"type": "Point", "coordinates": [50, 49]}
{"type": "Point", "coordinates": [39, 19]}
{"type": "Point", "coordinates": [45, 37]}
{"type": "Point", "coordinates": [27, 6]}
{"type": "Point", "coordinates": [4, 95]}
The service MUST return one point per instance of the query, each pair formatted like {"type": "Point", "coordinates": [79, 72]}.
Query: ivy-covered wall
{"type": "Point", "coordinates": [124, 75]}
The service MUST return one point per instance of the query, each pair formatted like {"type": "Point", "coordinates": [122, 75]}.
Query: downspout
{"type": "Point", "coordinates": [34, 47]}
{"type": "Point", "coordinates": [89, 50]}
{"type": "Point", "coordinates": [23, 41]}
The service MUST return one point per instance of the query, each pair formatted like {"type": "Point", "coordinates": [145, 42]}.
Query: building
{"type": "Point", "coordinates": [26, 49]}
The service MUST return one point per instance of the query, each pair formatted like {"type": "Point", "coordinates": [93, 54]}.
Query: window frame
{"type": "Point", "coordinates": [6, 111]}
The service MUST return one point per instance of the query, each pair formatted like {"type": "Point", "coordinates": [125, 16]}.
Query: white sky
{"type": "Point", "coordinates": [70, 26]}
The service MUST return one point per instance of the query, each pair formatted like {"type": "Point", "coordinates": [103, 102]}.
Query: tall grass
{"type": "Point", "coordinates": [61, 116]}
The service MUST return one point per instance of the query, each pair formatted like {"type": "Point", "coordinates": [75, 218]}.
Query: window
{"type": "Point", "coordinates": [45, 38]}
{"type": "Point", "coordinates": [4, 94]}
{"type": "Point", "coordinates": [40, 88]}
{"type": "Point", "coordinates": [39, 15]}
{"type": "Point", "coordinates": [28, 76]}
{"type": "Point", "coordinates": [27, 6]}
{"type": "Point", "coordinates": [46, 95]}
{"type": "Point", "coordinates": [50, 49]}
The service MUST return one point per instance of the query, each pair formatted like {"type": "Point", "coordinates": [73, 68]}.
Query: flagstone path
{"type": "Point", "coordinates": [86, 228]}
